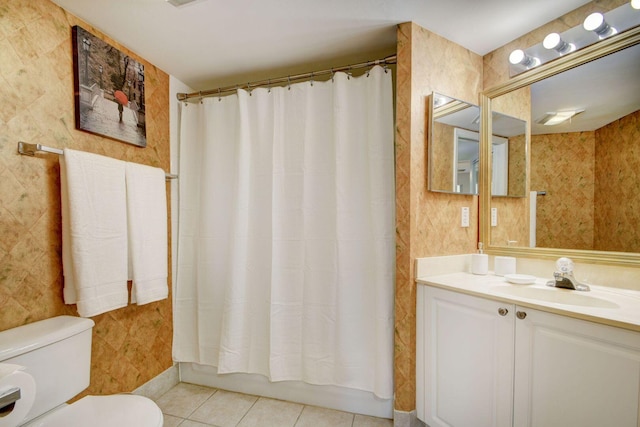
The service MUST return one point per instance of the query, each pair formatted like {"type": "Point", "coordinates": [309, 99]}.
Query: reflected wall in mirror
{"type": "Point", "coordinates": [508, 156]}
{"type": "Point", "coordinates": [453, 145]}
{"type": "Point", "coordinates": [588, 166]}
{"type": "Point", "coordinates": [454, 148]}
{"type": "Point", "coordinates": [585, 170]}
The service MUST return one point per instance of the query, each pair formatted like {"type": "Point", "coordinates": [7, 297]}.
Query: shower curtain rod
{"type": "Point", "coordinates": [288, 79]}
{"type": "Point", "coordinates": [28, 149]}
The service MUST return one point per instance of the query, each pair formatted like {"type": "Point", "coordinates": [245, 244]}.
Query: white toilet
{"type": "Point", "coordinates": [56, 352]}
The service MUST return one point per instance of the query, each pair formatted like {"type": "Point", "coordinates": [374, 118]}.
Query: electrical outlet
{"type": "Point", "coordinates": [465, 217]}
{"type": "Point", "coordinates": [494, 217]}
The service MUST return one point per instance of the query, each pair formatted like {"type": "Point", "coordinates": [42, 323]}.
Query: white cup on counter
{"type": "Point", "coordinates": [503, 265]}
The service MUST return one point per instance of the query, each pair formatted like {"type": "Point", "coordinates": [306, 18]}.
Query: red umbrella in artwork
{"type": "Point", "coordinates": [121, 97]}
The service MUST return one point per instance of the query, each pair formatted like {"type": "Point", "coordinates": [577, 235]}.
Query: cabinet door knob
{"type": "Point", "coordinates": [502, 311]}
{"type": "Point", "coordinates": [521, 314]}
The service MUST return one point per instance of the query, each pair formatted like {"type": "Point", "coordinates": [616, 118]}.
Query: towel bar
{"type": "Point", "coordinates": [28, 149]}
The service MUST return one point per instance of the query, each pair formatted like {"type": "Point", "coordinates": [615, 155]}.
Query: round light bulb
{"type": "Point", "coordinates": [593, 21]}
{"type": "Point", "coordinates": [517, 56]}
{"type": "Point", "coordinates": [551, 41]}
{"type": "Point", "coordinates": [635, 4]}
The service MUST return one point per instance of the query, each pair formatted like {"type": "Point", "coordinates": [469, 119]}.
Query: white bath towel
{"type": "Point", "coordinates": [94, 232]}
{"type": "Point", "coordinates": [147, 219]}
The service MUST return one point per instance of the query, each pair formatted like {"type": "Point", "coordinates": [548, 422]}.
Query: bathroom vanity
{"type": "Point", "coordinates": [490, 353]}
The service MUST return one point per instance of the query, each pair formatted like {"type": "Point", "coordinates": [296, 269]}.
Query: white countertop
{"type": "Point", "coordinates": [610, 306]}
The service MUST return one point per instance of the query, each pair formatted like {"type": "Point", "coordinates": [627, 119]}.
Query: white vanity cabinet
{"type": "Point", "coordinates": [465, 359]}
{"type": "Point", "coordinates": [571, 372]}
{"type": "Point", "coordinates": [482, 363]}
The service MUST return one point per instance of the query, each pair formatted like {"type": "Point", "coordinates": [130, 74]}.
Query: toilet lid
{"type": "Point", "coordinates": [120, 410]}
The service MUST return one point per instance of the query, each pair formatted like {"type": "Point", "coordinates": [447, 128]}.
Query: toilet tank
{"type": "Point", "coordinates": [56, 352]}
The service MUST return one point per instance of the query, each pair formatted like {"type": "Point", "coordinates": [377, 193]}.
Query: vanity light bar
{"type": "Point", "coordinates": [596, 27]}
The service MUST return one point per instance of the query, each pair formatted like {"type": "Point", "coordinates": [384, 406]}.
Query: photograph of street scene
{"type": "Point", "coordinates": [109, 90]}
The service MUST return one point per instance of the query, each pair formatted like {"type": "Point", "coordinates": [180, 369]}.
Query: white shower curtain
{"type": "Point", "coordinates": [286, 244]}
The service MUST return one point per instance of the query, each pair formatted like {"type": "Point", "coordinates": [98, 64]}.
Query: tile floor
{"type": "Point", "coordinates": [188, 405]}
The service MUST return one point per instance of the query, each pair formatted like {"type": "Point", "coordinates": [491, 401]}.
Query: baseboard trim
{"type": "Point", "coordinates": [406, 419]}
{"type": "Point", "coordinates": [159, 385]}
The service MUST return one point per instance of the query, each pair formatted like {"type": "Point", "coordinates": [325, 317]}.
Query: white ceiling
{"type": "Point", "coordinates": [606, 89]}
{"type": "Point", "coordinates": [211, 43]}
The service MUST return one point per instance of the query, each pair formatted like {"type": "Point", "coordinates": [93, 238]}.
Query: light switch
{"type": "Point", "coordinates": [465, 217]}
{"type": "Point", "coordinates": [494, 217]}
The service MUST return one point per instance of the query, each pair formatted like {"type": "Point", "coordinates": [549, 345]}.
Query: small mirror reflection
{"type": "Point", "coordinates": [454, 149]}
{"type": "Point", "coordinates": [453, 145]}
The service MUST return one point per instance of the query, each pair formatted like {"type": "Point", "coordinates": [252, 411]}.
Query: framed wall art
{"type": "Point", "coordinates": [109, 90]}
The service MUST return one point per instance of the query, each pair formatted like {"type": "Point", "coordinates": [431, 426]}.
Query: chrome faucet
{"type": "Point", "coordinates": [567, 281]}
{"type": "Point", "coordinates": [563, 278]}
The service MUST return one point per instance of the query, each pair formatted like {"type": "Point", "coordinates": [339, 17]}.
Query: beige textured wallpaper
{"type": "Point", "coordinates": [617, 185]}
{"type": "Point", "coordinates": [130, 345]}
{"type": "Point", "coordinates": [599, 173]}
{"type": "Point", "coordinates": [564, 217]}
{"type": "Point", "coordinates": [427, 223]}
{"type": "Point", "coordinates": [442, 157]}
{"type": "Point", "coordinates": [517, 180]}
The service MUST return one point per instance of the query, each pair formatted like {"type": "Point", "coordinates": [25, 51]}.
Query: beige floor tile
{"type": "Point", "coordinates": [183, 399]}
{"type": "Point", "coordinates": [272, 413]}
{"type": "Point", "coordinates": [224, 408]}
{"type": "Point", "coordinates": [312, 416]}
{"type": "Point", "coordinates": [171, 421]}
{"type": "Point", "coordinates": [365, 421]}
{"type": "Point", "coordinates": [189, 423]}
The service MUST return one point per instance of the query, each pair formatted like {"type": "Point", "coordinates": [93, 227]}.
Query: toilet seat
{"type": "Point", "coordinates": [120, 410]}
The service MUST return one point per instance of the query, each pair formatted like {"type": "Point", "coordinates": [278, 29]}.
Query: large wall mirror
{"type": "Point", "coordinates": [584, 181]}
{"type": "Point", "coordinates": [454, 149]}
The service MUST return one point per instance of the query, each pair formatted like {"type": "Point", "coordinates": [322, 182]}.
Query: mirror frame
{"type": "Point", "coordinates": [603, 48]}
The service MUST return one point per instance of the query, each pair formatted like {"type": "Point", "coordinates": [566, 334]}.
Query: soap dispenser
{"type": "Point", "coordinates": [480, 261]}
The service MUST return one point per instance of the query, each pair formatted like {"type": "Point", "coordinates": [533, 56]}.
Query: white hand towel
{"type": "Point", "coordinates": [147, 219]}
{"type": "Point", "coordinates": [94, 232]}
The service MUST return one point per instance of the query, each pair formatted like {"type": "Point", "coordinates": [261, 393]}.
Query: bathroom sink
{"type": "Point", "coordinates": [555, 295]}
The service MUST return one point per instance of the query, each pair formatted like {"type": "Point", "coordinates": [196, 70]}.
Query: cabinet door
{"type": "Point", "coordinates": [571, 372]}
{"type": "Point", "coordinates": [465, 360]}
